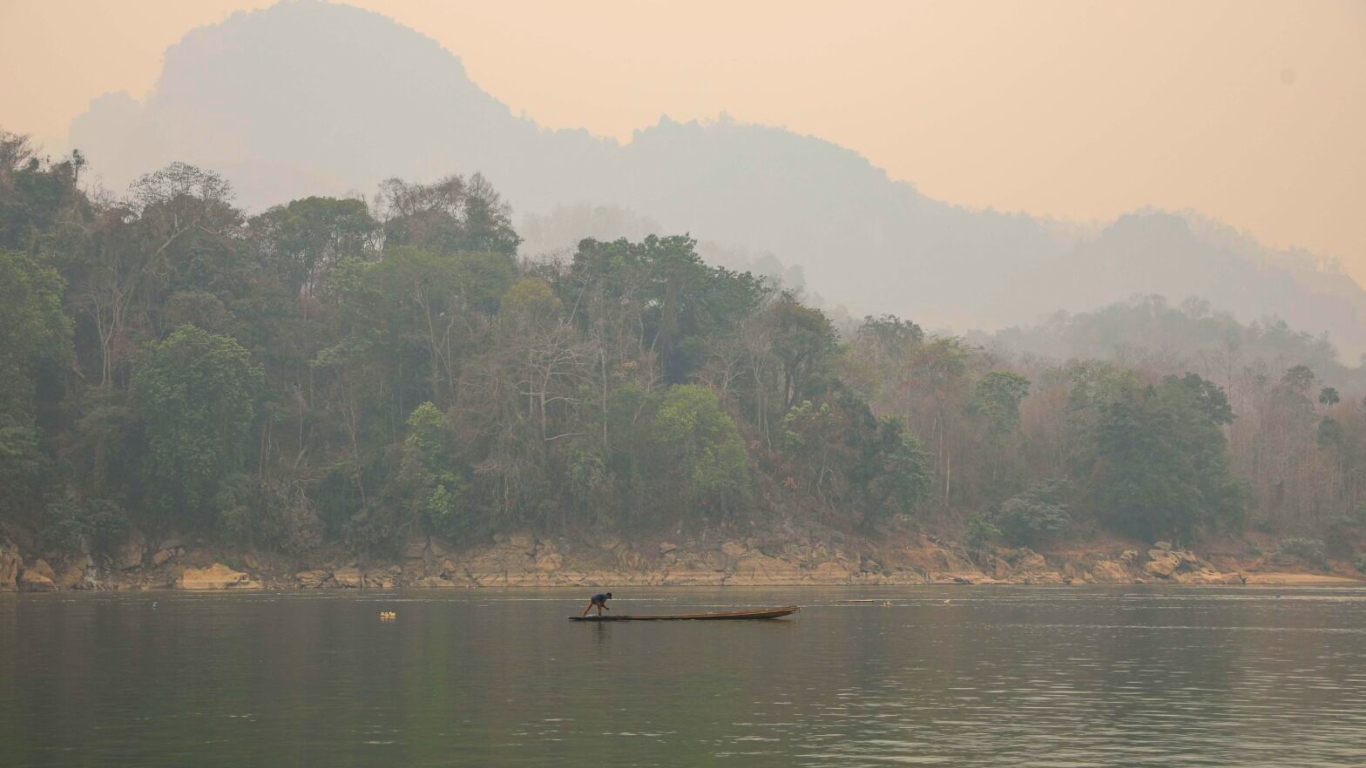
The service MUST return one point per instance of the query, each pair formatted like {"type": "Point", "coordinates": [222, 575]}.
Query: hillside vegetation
{"type": "Point", "coordinates": [338, 373]}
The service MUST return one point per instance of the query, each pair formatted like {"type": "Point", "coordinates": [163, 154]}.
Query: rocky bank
{"type": "Point", "coordinates": [527, 560]}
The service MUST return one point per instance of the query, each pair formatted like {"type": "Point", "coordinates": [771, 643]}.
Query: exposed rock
{"type": "Point", "coordinates": [760, 557]}
{"type": "Point", "coordinates": [756, 568]}
{"type": "Point", "coordinates": [1163, 563]}
{"type": "Point", "coordinates": [1032, 568]}
{"type": "Point", "coordinates": [1164, 545]}
{"type": "Point", "coordinates": [216, 576]}
{"type": "Point", "coordinates": [491, 566]}
{"type": "Point", "coordinates": [1074, 571]}
{"type": "Point", "coordinates": [173, 543]}
{"type": "Point", "coordinates": [41, 566]}
{"type": "Point", "coordinates": [1190, 561]}
{"type": "Point", "coordinates": [435, 549]}
{"type": "Point", "coordinates": [31, 580]}
{"type": "Point", "coordinates": [630, 560]}
{"type": "Point", "coordinates": [941, 561]}
{"type": "Point", "coordinates": [1209, 578]}
{"type": "Point", "coordinates": [1047, 578]}
{"type": "Point", "coordinates": [313, 579]}
{"type": "Point", "coordinates": [953, 577]}
{"type": "Point", "coordinates": [550, 563]}
{"type": "Point", "coordinates": [130, 553]}
{"type": "Point", "coordinates": [10, 565]}
{"type": "Point", "coordinates": [1110, 572]}
{"type": "Point", "coordinates": [71, 577]}
{"type": "Point", "coordinates": [379, 581]}
{"type": "Point", "coordinates": [449, 569]}
{"type": "Point", "coordinates": [348, 578]}
{"type": "Point", "coordinates": [1031, 561]}
{"type": "Point", "coordinates": [831, 572]}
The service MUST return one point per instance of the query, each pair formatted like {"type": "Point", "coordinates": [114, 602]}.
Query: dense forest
{"type": "Point", "coordinates": [351, 373]}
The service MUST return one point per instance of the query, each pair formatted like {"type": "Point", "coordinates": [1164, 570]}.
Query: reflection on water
{"type": "Point", "coordinates": [979, 676]}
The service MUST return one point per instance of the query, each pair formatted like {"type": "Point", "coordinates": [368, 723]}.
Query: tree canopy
{"type": "Point", "coordinates": [340, 372]}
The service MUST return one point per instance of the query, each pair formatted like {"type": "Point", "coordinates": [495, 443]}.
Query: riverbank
{"type": "Point", "coordinates": [527, 560]}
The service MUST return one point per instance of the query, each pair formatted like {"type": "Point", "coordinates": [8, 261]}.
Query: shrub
{"type": "Point", "coordinates": [96, 521]}
{"type": "Point", "coordinates": [1309, 550]}
{"type": "Point", "coordinates": [981, 530]}
{"type": "Point", "coordinates": [1360, 563]}
{"type": "Point", "coordinates": [1031, 516]}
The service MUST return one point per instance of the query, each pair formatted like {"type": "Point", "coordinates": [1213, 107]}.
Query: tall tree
{"type": "Point", "coordinates": [195, 395]}
{"type": "Point", "coordinates": [36, 336]}
{"type": "Point", "coordinates": [698, 452]}
{"type": "Point", "coordinates": [1161, 464]}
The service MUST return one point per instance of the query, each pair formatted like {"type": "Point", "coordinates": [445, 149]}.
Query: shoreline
{"type": "Point", "coordinates": [526, 561]}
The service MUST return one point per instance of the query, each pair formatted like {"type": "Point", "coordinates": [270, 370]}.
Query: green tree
{"type": "Point", "coordinates": [1161, 461]}
{"type": "Point", "coordinates": [36, 195]}
{"type": "Point", "coordinates": [36, 337]}
{"type": "Point", "coordinates": [431, 478]}
{"type": "Point", "coordinates": [902, 477]}
{"type": "Point", "coordinates": [820, 445]}
{"type": "Point", "coordinates": [1298, 378]}
{"type": "Point", "coordinates": [1331, 433]}
{"type": "Point", "coordinates": [699, 452]}
{"type": "Point", "coordinates": [997, 397]}
{"type": "Point", "coordinates": [1329, 396]}
{"type": "Point", "coordinates": [803, 340]}
{"type": "Point", "coordinates": [1033, 516]}
{"type": "Point", "coordinates": [659, 296]}
{"type": "Point", "coordinates": [195, 395]}
{"type": "Point", "coordinates": [308, 237]}
{"type": "Point", "coordinates": [426, 309]}
{"type": "Point", "coordinates": [449, 216]}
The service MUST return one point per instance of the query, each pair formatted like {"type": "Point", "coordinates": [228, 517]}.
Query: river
{"type": "Point", "coordinates": [927, 676]}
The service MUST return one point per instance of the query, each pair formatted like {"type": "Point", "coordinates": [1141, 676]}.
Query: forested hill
{"type": "Point", "coordinates": [309, 98]}
{"type": "Point", "coordinates": [336, 373]}
{"type": "Point", "coordinates": [1150, 331]}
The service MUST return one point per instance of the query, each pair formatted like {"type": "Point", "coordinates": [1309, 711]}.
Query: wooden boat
{"type": "Point", "coordinates": [762, 613]}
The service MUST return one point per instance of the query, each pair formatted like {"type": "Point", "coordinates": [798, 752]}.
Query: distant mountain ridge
{"type": "Point", "coordinates": [307, 98]}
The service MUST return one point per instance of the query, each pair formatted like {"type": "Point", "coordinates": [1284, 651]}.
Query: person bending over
{"type": "Point", "coordinates": [600, 601]}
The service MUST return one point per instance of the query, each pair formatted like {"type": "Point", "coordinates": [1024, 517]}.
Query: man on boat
{"type": "Point", "coordinates": [600, 601]}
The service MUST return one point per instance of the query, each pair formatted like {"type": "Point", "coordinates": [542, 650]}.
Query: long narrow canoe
{"type": "Point", "coordinates": [762, 613]}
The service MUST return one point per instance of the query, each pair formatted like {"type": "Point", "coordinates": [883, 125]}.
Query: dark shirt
{"type": "Point", "coordinates": [600, 599]}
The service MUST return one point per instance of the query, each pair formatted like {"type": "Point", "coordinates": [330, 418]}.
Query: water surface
{"type": "Point", "coordinates": [955, 676]}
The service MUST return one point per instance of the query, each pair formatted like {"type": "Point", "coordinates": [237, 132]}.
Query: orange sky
{"type": "Point", "coordinates": [1253, 112]}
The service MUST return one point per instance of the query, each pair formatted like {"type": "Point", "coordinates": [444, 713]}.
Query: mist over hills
{"type": "Point", "coordinates": [308, 98]}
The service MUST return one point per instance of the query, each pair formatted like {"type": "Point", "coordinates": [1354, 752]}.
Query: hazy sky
{"type": "Point", "coordinates": [1253, 112]}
